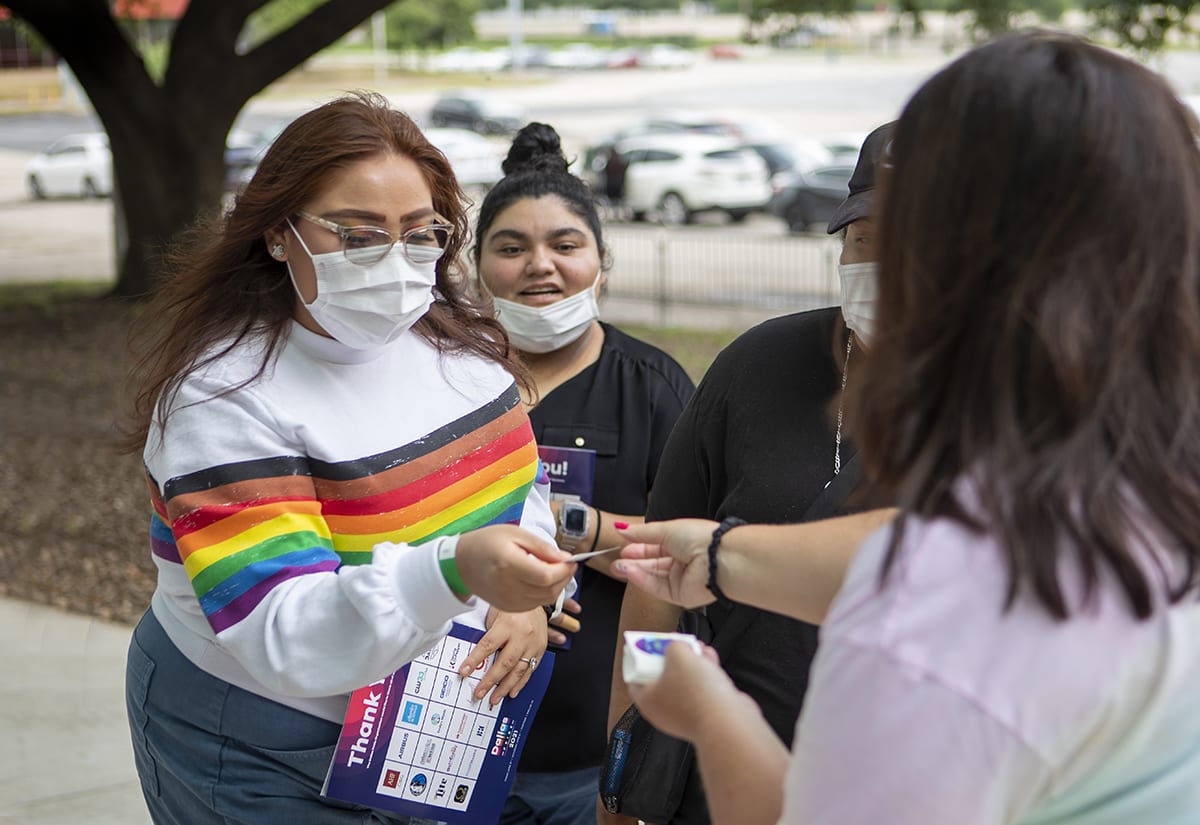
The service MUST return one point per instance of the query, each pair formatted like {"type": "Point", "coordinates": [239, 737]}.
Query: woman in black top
{"type": "Point", "coordinates": [761, 440]}
{"type": "Point", "coordinates": [540, 256]}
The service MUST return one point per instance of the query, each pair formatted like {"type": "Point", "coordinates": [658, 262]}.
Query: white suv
{"type": "Point", "coordinates": [677, 175]}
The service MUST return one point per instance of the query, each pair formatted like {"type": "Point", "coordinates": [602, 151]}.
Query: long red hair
{"type": "Point", "coordinates": [223, 285]}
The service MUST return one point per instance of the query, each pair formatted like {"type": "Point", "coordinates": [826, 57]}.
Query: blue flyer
{"type": "Point", "coordinates": [572, 471]}
{"type": "Point", "coordinates": [418, 743]}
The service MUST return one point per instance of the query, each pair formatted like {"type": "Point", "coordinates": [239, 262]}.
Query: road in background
{"type": "Point", "coordinates": [51, 240]}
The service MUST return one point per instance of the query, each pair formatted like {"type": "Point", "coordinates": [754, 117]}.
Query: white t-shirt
{"type": "Point", "coordinates": [929, 704]}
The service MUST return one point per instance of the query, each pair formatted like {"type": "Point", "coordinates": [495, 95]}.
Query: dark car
{"type": "Point", "coordinates": [808, 198]}
{"type": "Point", "coordinates": [244, 150]}
{"type": "Point", "coordinates": [479, 113]}
{"type": "Point", "coordinates": [784, 155]}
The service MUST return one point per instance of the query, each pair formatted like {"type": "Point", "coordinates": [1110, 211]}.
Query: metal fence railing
{"type": "Point", "coordinates": [720, 265]}
{"type": "Point", "coordinates": [715, 275]}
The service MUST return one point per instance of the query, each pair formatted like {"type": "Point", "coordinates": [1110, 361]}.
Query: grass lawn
{"type": "Point", "coordinates": [694, 349]}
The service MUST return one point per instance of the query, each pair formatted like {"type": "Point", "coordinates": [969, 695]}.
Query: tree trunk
{"type": "Point", "coordinates": [169, 173]}
{"type": "Point", "coordinates": [168, 139]}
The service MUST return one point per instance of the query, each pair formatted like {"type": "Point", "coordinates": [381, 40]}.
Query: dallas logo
{"type": "Point", "coordinates": [506, 737]}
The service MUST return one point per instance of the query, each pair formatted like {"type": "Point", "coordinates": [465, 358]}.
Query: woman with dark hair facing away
{"type": "Point", "coordinates": [338, 459]}
{"type": "Point", "coordinates": [1020, 645]}
{"type": "Point", "coordinates": [540, 256]}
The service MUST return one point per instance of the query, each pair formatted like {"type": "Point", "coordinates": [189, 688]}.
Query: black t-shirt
{"type": "Point", "coordinates": [757, 442]}
{"type": "Point", "coordinates": [623, 407]}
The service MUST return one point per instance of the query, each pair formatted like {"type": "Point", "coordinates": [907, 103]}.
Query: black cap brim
{"type": "Point", "coordinates": [853, 208]}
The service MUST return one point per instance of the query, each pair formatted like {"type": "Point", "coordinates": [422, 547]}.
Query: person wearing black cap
{"type": "Point", "coordinates": [761, 440]}
{"type": "Point", "coordinates": [857, 266]}
{"type": "Point", "coordinates": [876, 151]}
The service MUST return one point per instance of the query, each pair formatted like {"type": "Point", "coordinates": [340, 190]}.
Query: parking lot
{"type": "Point", "coordinates": [792, 91]}
{"type": "Point", "coordinates": [716, 265]}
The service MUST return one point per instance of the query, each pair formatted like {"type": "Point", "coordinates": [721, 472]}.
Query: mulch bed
{"type": "Point", "coordinates": [74, 510]}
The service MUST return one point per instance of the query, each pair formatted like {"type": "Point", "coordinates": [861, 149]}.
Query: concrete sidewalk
{"type": "Point", "coordinates": [66, 756]}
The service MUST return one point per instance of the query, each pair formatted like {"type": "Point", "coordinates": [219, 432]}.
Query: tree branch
{"type": "Point", "coordinates": [93, 45]}
{"type": "Point", "coordinates": [203, 48]}
{"type": "Point", "coordinates": [322, 27]}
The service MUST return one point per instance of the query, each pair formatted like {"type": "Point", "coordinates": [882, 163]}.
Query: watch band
{"type": "Point", "coordinates": [566, 539]}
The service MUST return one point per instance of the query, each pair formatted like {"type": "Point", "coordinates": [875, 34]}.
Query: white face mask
{"type": "Point", "coordinates": [860, 293]}
{"type": "Point", "coordinates": [369, 306]}
{"type": "Point", "coordinates": [548, 328]}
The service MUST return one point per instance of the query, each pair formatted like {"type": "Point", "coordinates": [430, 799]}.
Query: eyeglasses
{"type": "Point", "coordinates": [368, 245]}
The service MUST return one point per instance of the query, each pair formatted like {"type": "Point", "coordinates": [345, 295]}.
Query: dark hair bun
{"type": "Point", "coordinates": [536, 148]}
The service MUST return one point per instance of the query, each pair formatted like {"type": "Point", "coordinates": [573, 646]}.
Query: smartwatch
{"type": "Point", "coordinates": [574, 518]}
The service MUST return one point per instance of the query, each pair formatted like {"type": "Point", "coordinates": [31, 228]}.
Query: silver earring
{"type": "Point", "coordinates": [277, 251]}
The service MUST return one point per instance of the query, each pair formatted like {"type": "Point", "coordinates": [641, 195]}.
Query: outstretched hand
{"type": "Point", "coordinates": [511, 568]}
{"type": "Point", "coordinates": [669, 560]}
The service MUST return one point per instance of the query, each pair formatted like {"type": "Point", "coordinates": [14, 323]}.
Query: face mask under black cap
{"type": "Point", "coordinates": [860, 282]}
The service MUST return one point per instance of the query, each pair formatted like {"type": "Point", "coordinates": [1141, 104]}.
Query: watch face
{"type": "Point", "coordinates": [574, 521]}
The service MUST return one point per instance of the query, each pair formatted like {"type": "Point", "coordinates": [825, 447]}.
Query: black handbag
{"type": "Point", "coordinates": [645, 771]}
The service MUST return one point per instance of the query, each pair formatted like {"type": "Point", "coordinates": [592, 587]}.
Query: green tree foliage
{"type": "Point", "coordinates": [424, 24]}
{"type": "Point", "coordinates": [993, 17]}
{"type": "Point", "coordinates": [1140, 25]}
{"type": "Point", "coordinates": [1049, 10]}
{"type": "Point", "coordinates": [275, 17]}
{"type": "Point", "coordinates": [771, 20]}
{"type": "Point", "coordinates": [631, 5]}
{"type": "Point", "coordinates": [1143, 27]}
{"type": "Point", "coordinates": [637, 5]}
{"type": "Point", "coordinates": [989, 17]}
{"type": "Point", "coordinates": [762, 9]}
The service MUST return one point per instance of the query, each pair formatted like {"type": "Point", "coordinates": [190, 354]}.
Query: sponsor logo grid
{"type": "Point", "coordinates": [442, 734]}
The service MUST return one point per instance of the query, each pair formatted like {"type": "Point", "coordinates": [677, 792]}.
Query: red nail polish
{"type": "Point", "coordinates": [621, 525]}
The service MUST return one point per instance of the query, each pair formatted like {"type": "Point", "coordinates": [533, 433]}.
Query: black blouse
{"type": "Point", "coordinates": [623, 407]}
{"type": "Point", "coordinates": [757, 442]}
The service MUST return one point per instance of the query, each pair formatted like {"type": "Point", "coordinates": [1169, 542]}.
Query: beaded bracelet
{"type": "Point", "coordinates": [722, 528]}
{"type": "Point", "coordinates": [449, 567]}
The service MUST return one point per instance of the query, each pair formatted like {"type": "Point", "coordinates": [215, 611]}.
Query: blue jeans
{"type": "Point", "coordinates": [209, 753]}
{"type": "Point", "coordinates": [567, 798]}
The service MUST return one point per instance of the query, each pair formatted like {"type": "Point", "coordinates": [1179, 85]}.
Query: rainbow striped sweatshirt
{"type": "Point", "coordinates": [285, 512]}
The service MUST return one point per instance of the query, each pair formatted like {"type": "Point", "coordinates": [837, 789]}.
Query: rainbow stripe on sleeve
{"type": "Point", "coordinates": [241, 529]}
